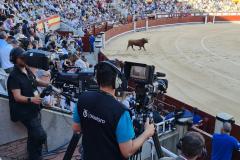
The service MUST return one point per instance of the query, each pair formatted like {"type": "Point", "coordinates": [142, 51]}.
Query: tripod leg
{"type": "Point", "coordinates": [157, 145]}
{"type": "Point", "coordinates": [72, 146]}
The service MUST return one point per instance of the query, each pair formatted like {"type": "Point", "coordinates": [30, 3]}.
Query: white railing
{"type": "Point", "coordinates": [165, 126]}
{"type": "Point", "coordinates": [3, 82]}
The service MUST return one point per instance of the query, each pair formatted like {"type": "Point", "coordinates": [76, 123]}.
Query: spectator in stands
{"type": "Point", "coordinates": [25, 29]}
{"type": "Point", "coordinates": [223, 144]}
{"type": "Point", "coordinates": [8, 23]}
{"type": "Point", "coordinates": [69, 62]}
{"type": "Point", "coordinates": [91, 42]}
{"type": "Point", "coordinates": [25, 43]}
{"type": "Point", "coordinates": [80, 44]}
{"type": "Point", "coordinates": [14, 43]}
{"type": "Point", "coordinates": [64, 47]}
{"type": "Point", "coordinates": [82, 63]}
{"type": "Point", "coordinates": [1, 26]}
{"type": "Point", "coordinates": [5, 50]}
{"type": "Point", "coordinates": [72, 46]}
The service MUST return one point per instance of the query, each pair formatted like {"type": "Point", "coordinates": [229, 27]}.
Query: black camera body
{"type": "Point", "coordinates": [75, 83]}
{"type": "Point", "coordinates": [37, 58]}
{"type": "Point", "coordinates": [148, 85]}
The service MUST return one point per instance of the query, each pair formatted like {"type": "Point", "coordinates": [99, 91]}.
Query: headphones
{"type": "Point", "coordinates": [201, 150]}
{"type": "Point", "coordinates": [15, 53]}
{"type": "Point", "coordinates": [120, 81]}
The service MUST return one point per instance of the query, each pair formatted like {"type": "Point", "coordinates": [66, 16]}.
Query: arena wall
{"type": "Point", "coordinates": [150, 23]}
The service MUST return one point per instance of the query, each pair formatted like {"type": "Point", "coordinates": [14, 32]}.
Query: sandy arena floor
{"type": "Point", "coordinates": [202, 63]}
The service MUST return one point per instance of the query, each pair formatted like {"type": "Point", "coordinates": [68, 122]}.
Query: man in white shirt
{"type": "Point", "coordinates": [81, 64]}
{"type": "Point", "coordinates": [5, 53]}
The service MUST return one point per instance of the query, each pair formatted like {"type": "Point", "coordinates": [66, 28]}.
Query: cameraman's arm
{"type": "Point", "coordinates": [23, 99]}
{"type": "Point", "coordinates": [15, 88]}
{"type": "Point", "coordinates": [125, 134]}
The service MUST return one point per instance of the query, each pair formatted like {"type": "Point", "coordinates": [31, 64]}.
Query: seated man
{"type": "Point", "coordinates": [82, 63]}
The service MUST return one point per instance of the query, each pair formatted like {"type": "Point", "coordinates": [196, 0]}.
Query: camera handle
{"type": "Point", "coordinates": [156, 141]}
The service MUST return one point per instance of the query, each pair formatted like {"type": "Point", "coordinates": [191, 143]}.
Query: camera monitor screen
{"type": "Point", "coordinates": [139, 72]}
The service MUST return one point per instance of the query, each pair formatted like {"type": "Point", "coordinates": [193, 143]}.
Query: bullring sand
{"type": "Point", "coordinates": [202, 63]}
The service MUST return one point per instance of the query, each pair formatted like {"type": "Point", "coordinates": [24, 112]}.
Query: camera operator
{"type": "Point", "coordinates": [105, 122]}
{"type": "Point", "coordinates": [24, 102]}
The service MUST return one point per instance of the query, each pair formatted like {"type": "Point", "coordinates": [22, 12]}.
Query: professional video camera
{"type": "Point", "coordinates": [69, 84]}
{"type": "Point", "coordinates": [147, 86]}
{"type": "Point", "coordinates": [75, 83]}
{"type": "Point", "coordinates": [147, 83]}
{"type": "Point", "coordinates": [38, 58]}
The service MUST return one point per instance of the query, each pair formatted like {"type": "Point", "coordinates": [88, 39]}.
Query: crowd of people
{"type": "Point", "coordinates": [77, 14]}
{"type": "Point", "coordinates": [141, 8]}
{"type": "Point", "coordinates": [82, 14]}
{"type": "Point", "coordinates": [19, 30]}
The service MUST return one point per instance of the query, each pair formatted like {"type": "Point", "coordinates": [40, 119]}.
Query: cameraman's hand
{"type": "Point", "coordinates": [149, 129]}
{"type": "Point", "coordinates": [36, 100]}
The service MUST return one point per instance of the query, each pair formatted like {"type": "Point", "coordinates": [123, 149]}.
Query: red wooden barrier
{"type": "Point", "coordinates": [118, 30]}
{"type": "Point", "coordinates": [141, 24]}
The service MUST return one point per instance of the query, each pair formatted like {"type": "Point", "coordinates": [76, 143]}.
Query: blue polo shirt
{"type": "Point", "coordinates": [124, 131]}
{"type": "Point", "coordinates": [222, 146]}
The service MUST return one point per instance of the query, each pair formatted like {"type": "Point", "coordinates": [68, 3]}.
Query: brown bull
{"type": "Point", "coordinates": [139, 42]}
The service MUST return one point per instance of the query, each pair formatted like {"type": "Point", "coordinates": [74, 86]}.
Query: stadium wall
{"type": "Point", "coordinates": [13, 136]}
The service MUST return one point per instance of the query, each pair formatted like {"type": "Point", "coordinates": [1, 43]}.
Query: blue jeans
{"type": "Point", "coordinates": [91, 48]}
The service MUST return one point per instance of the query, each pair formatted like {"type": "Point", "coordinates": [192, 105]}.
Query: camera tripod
{"type": "Point", "coordinates": [76, 137]}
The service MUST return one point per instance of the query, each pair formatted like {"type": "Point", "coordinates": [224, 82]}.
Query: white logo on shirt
{"type": "Point", "coordinates": [87, 114]}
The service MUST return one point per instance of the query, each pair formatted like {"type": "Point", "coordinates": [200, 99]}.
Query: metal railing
{"type": "Point", "coordinates": [3, 82]}
{"type": "Point", "coordinates": [165, 126]}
